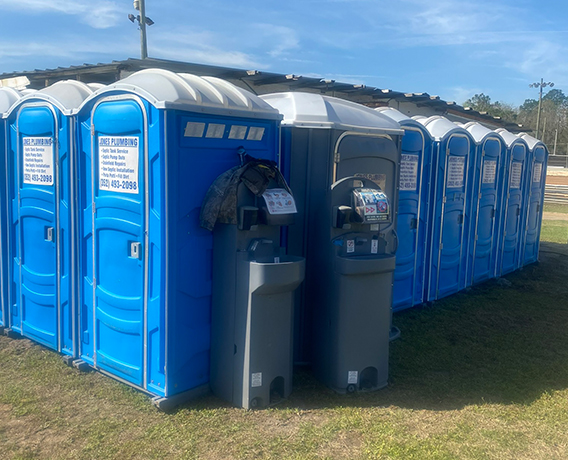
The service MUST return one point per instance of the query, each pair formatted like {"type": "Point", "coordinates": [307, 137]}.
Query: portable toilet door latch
{"type": "Point", "coordinates": [49, 234]}
{"type": "Point", "coordinates": [135, 249]}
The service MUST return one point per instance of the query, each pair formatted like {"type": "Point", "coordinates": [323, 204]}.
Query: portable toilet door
{"type": "Point", "coordinates": [454, 157]}
{"type": "Point", "coordinates": [41, 248]}
{"type": "Point", "coordinates": [413, 211]}
{"type": "Point", "coordinates": [150, 146]}
{"type": "Point", "coordinates": [508, 257]}
{"type": "Point", "coordinates": [535, 180]}
{"type": "Point", "coordinates": [485, 203]}
{"type": "Point", "coordinates": [8, 97]}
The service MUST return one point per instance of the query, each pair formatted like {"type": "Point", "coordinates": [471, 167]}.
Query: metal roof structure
{"type": "Point", "coordinates": [261, 82]}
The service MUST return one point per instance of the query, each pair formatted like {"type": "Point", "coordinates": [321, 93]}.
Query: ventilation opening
{"type": "Point", "coordinates": [277, 390]}
{"type": "Point", "coordinates": [369, 379]}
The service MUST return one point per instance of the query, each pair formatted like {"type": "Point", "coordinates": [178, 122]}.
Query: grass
{"type": "Point", "coordinates": [480, 375]}
{"type": "Point", "coordinates": [556, 207]}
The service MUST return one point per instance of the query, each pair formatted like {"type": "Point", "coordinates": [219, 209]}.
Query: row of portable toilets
{"type": "Point", "coordinates": [105, 259]}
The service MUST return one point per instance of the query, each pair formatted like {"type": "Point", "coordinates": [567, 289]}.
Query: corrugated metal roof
{"type": "Point", "coordinates": [259, 82]}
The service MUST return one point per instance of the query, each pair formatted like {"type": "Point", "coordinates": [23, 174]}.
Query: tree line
{"type": "Point", "coordinates": [553, 128]}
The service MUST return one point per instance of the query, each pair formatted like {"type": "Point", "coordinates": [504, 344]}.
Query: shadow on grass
{"type": "Point", "coordinates": [493, 344]}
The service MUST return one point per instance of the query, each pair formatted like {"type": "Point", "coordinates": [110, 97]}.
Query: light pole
{"type": "Point", "coordinates": [542, 84]}
{"type": "Point", "coordinates": [142, 21]}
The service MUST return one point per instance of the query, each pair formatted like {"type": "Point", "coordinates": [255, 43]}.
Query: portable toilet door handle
{"type": "Point", "coordinates": [49, 236]}
{"type": "Point", "coordinates": [135, 249]}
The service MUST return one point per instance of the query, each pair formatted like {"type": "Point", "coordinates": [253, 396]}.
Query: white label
{"type": "Point", "coordinates": [215, 131]}
{"type": "Point", "coordinates": [537, 172]}
{"type": "Point", "coordinates": [350, 246]}
{"type": "Point", "coordinates": [38, 160]}
{"type": "Point", "coordinates": [379, 179]}
{"type": "Point", "coordinates": [489, 170]}
{"type": "Point", "coordinates": [279, 201]}
{"type": "Point", "coordinates": [277, 260]}
{"type": "Point", "coordinates": [237, 132]}
{"type": "Point", "coordinates": [255, 134]}
{"type": "Point", "coordinates": [408, 172]}
{"type": "Point", "coordinates": [456, 168]}
{"type": "Point", "coordinates": [374, 246]}
{"type": "Point", "coordinates": [516, 171]}
{"type": "Point", "coordinates": [352, 377]}
{"type": "Point", "coordinates": [118, 164]}
{"type": "Point", "coordinates": [256, 380]}
{"type": "Point", "coordinates": [375, 227]}
{"type": "Point", "coordinates": [194, 129]}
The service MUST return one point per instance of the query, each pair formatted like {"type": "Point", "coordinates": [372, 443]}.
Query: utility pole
{"type": "Point", "coordinates": [540, 85]}
{"type": "Point", "coordinates": [143, 21]}
{"type": "Point", "coordinates": [555, 141]}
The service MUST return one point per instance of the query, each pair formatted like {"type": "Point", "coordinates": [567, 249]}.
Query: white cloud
{"type": "Point", "coordinates": [201, 47]}
{"type": "Point", "coordinates": [99, 14]}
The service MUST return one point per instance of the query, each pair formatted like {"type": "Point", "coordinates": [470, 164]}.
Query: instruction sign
{"type": "Point", "coordinates": [118, 164]}
{"type": "Point", "coordinates": [516, 171]}
{"type": "Point", "coordinates": [537, 172]}
{"type": "Point", "coordinates": [456, 168]}
{"type": "Point", "coordinates": [38, 160]}
{"type": "Point", "coordinates": [408, 172]}
{"type": "Point", "coordinates": [279, 201]}
{"type": "Point", "coordinates": [489, 170]}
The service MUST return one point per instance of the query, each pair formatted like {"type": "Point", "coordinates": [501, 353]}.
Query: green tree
{"type": "Point", "coordinates": [482, 103]}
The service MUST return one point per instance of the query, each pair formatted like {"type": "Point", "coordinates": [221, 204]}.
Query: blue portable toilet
{"type": "Point", "coordinates": [535, 180]}
{"type": "Point", "coordinates": [150, 146]}
{"type": "Point", "coordinates": [413, 211]}
{"type": "Point", "coordinates": [454, 160]}
{"type": "Point", "coordinates": [8, 97]}
{"type": "Point", "coordinates": [40, 165]}
{"type": "Point", "coordinates": [486, 201]}
{"type": "Point", "coordinates": [508, 255]}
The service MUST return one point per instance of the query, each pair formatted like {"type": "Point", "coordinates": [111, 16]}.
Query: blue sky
{"type": "Point", "coordinates": [450, 48]}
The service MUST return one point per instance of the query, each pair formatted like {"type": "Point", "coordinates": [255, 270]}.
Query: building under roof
{"type": "Point", "coordinates": [261, 82]}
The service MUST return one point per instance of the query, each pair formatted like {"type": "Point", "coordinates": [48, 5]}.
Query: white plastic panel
{"type": "Point", "coordinates": [480, 132]}
{"type": "Point", "coordinates": [309, 110]}
{"type": "Point", "coordinates": [165, 89]}
{"type": "Point", "coordinates": [65, 95]}
{"type": "Point", "coordinates": [8, 97]}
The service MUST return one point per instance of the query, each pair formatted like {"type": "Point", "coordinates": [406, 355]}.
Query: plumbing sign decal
{"type": "Point", "coordinates": [38, 160]}
{"type": "Point", "coordinates": [118, 164]}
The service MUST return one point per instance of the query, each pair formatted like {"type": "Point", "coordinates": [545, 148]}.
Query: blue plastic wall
{"type": "Point", "coordinates": [534, 198]}
{"type": "Point", "coordinates": [412, 219]}
{"type": "Point", "coordinates": [450, 216]}
{"type": "Point", "coordinates": [508, 259]}
{"type": "Point", "coordinates": [3, 229]}
{"type": "Point", "coordinates": [40, 270]}
{"type": "Point", "coordinates": [486, 210]}
{"type": "Point", "coordinates": [150, 325]}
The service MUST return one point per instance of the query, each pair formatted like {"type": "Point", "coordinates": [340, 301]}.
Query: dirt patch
{"type": "Point", "coordinates": [557, 180]}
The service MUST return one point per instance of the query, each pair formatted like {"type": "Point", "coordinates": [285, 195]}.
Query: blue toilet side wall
{"type": "Point", "coordinates": [513, 202]}
{"type": "Point", "coordinates": [450, 219]}
{"type": "Point", "coordinates": [486, 200]}
{"type": "Point", "coordinates": [40, 291]}
{"type": "Point", "coordinates": [412, 222]}
{"type": "Point", "coordinates": [534, 197]}
{"type": "Point", "coordinates": [192, 166]}
{"type": "Point", "coordinates": [3, 228]}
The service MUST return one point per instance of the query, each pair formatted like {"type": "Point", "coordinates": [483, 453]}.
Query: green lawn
{"type": "Point", "coordinates": [556, 207]}
{"type": "Point", "coordinates": [480, 375]}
